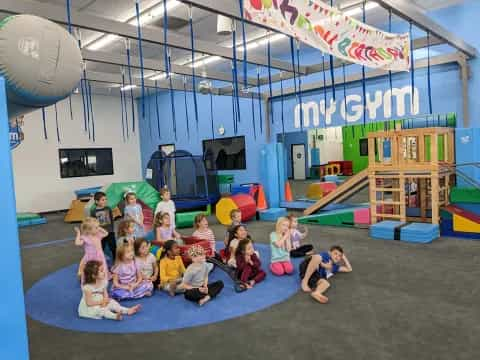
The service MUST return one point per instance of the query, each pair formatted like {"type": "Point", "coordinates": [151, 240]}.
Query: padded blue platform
{"type": "Point", "coordinates": [272, 214]}
{"type": "Point", "coordinates": [31, 222]}
{"type": "Point", "coordinates": [54, 300]}
{"type": "Point", "coordinates": [420, 233]}
{"type": "Point", "coordinates": [384, 230]}
{"type": "Point", "coordinates": [80, 193]}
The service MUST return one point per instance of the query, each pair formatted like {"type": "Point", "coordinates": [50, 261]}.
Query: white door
{"type": "Point", "coordinates": [298, 161]}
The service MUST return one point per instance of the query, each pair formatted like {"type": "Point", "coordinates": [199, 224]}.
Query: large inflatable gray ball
{"type": "Point", "coordinates": [40, 61]}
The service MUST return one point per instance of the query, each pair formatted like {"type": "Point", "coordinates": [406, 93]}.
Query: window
{"type": "Point", "coordinates": [225, 153]}
{"type": "Point", "coordinates": [364, 147]}
{"type": "Point", "coordinates": [85, 162]}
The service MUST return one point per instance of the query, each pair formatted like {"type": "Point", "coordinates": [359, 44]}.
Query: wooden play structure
{"type": "Point", "coordinates": [406, 163]}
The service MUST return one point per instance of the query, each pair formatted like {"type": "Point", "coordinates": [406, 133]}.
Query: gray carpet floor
{"type": "Point", "coordinates": [402, 301]}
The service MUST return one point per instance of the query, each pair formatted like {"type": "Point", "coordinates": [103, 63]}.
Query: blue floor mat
{"type": "Point", "coordinates": [54, 300]}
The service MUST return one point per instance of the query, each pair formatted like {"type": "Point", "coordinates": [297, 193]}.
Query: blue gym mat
{"type": "Point", "coordinates": [54, 300]}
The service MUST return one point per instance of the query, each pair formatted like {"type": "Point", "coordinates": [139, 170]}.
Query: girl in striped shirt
{"type": "Point", "coordinates": [202, 231]}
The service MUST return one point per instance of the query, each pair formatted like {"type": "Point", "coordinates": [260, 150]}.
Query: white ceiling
{"type": "Point", "coordinates": [204, 27]}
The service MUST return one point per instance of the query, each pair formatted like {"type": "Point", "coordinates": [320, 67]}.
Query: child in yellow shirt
{"type": "Point", "coordinates": [171, 269]}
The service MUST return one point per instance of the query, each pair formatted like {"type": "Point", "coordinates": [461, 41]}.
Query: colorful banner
{"type": "Point", "coordinates": [328, 29]}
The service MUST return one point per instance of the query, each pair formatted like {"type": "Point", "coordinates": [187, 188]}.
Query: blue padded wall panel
{"type": "Point", "coordinates": [269, 174]}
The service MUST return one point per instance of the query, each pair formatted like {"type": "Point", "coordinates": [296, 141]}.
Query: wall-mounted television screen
{"type": "Point", "coordinates": [225, 153]}
{"type": "Point", "coordinates": [85, 162]}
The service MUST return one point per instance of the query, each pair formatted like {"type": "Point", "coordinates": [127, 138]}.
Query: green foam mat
{"type": "Point", "coordinates": [185, 219]}
{"type": "Point", "coordinates": [336, 218]}
{"type": "Point", "coordinates": [465, 195]}
{"type": "Point", "coordinates": [27, 216]}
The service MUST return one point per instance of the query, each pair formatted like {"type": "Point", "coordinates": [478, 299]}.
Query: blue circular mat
{"type": "Point", "coordinates": [54, 300]}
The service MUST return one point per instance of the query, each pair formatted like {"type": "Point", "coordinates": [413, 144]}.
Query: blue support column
{"type": "Point", "coordinates": [13, 326]}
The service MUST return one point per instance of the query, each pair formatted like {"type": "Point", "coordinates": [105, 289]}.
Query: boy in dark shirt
{"type": "Point", "coordinates": [315, 270]}
{"type": "Point", "coordinates": [103, 214]}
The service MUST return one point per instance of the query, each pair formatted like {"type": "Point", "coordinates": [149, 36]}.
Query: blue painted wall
{"type": "Point", "coordinates": [13, 327]}
{"type": "Point", "coordinates": [446, 93]}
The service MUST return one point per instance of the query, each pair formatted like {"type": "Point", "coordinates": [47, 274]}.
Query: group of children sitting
{"type": "Point", "coordinates": [136, 272]}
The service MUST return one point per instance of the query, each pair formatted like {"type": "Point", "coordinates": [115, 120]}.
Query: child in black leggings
{"type": "Point", "coordinates": [195, 279]}
{"type": "Point", "coordinates": [296, 236]}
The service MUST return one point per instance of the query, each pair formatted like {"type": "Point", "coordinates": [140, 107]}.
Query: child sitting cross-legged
{"type": "Point", "coordinates": [95, 302]}
{"type": "Point", "coordinates": [249, 269]}
{"type": "Point", "coordinates": [237, 234]}
{"type": "Point", "coordinates": [171, 269]}
{"type": "Point", "coordinates": [195, 279]}
{"type": "Point", "coordinates": [317, 269]}
{"type": "Point", "coordinates": [128, 282]}
{"type": "Point", "coordinates": [296, 236]}
{"type": "Point", "coordinates": [281, 246]}
{"type": "Point", "coordinates": [145, 261]}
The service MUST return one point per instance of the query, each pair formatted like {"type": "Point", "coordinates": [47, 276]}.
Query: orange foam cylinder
{"type": "Point", "coordinates": [244, 202]}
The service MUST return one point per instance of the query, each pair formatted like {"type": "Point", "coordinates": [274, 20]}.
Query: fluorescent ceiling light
{"type": "Point", "coordinates": [359, 9]}
{"type": "Point", "coordinates": [145, 18]}
{"type": "Point", "coordinates": [205, 61]}
{"type": "Point", "coordinates": [128, 87]}
{"type": "Point", "coordinates": [160, 76]}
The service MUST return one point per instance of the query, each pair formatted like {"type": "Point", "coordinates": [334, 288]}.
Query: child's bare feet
{"type": "Point", "coordinates": [322, 299]}
{"type": "Point", "coordinates": [172, 288]}
{"type": "Point", "coordinates": [204, 300]}
{"type": "Point", "coordinates": [134, 309]}
{"type": "Point", "coordinates": [148, 294]}
{"type": "Point", "coordinates": [305, 287]}
{"type": "Point", "coordinates": [119, 317]}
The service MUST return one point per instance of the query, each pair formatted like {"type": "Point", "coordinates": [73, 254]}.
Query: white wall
{"type": "Point", "coordinates": [331, 147]}
{"type": "Point", "coordinates": [38, 185]}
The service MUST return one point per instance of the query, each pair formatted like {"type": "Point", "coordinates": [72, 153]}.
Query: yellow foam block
{"type": "Point", "coordinates": [462, 224]}
{"type": "Point", "coordinates": [314, 191]}
{"type": "Point", "coordinates": [76, 213]}
{"type": "Point", "coordinates": [223, 208]}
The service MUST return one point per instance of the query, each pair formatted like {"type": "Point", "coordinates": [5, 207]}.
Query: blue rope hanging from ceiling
{"type": "Point", "coordinates": [172, 100]}
{"type": "Point", "coordinates": [194, 83]}
{"type": "Point", "coordinates": [345, 92]}
{"type": "Point", "coordinates": [332, 72]}
{"type": "Point", "coordinates": [324, 88]}
{"type": "Point", "coordinates": [79, 40]}
{"type": "Point", "coordinates": [429, 83]}
{"type": "Point", "coordinates": [292, 54]}
{"type": "Point", "coordinates": [44, 120]}
{"type": "Point", "coordinates": [259, 101]}
{"type": "Point", "coordinates": [186, 105]}
{"type": "Point", "coordinates": [390, 79]}
{"type": "Point", "coordinates": [87, 98]}
{"type": "Point", "coordinates": [165, 37]}
{"type": "Point", "coordinates": [234, 110]}
{"type": "Point", "coordinates": [122, 93]}
{"type": "Point", "coordinates": [235, 79]}
{"type": "Point", "coordinates": [282, 118]}
{"type": "Point", "coordinates": [157, 110]}
{"type": "Point", "coordinates": [91, 110]}
{"type": "Point", "coordinates": [269, 59]}
{"type": "Point", "coordinates": [364, 85]}
{"type": "Point", "coordinates": [123, 115]}
{"type": "Point", "coordinates": [148, 114]}
{"type": "Point", "coordinates": [299, 85]}
{"type": "Point", "coordinates": [129, 66]}
{"type": "Point", "coordinates": [412, 64]}
{"type": "Point", "coordinates": [244, 39]}
{"type": "Point", "coordinates": [140, 50]}
{"type": "Point", "coordinates": [56, 123]}
{"type": "Point", "coordinates": [211, 113]}
{"type": "Point", "coordinates": [253, 116]}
